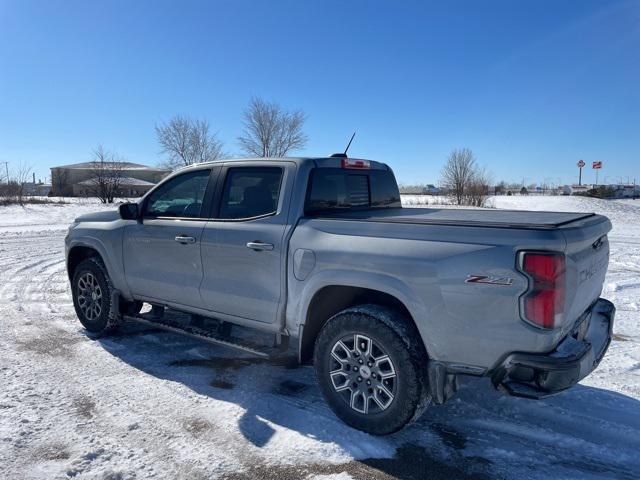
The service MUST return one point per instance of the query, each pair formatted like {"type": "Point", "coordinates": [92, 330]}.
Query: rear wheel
{"type": "Point", "coordinates": [372, 369]}
{"type": "Point", "coordinates": [92, 296]}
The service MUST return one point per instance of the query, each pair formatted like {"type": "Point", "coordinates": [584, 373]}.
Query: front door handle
{"type": "Point", "coordinates": [259, 246]}
{"type": "Point", "coordinates": [184, 239]}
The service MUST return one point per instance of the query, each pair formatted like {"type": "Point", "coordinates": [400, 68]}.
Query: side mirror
{"type": "Point", "coordinates": [129, 211]}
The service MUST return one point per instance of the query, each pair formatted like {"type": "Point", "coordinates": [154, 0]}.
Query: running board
{"type": "Point", "coordinates": [203, 334]}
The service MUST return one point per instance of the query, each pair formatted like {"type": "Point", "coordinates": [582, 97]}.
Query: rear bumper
{"type": "Point", "coordinates": [534, 375]}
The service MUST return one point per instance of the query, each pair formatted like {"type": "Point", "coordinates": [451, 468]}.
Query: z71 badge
{"type": "Point", "coordinates": [504, 281]}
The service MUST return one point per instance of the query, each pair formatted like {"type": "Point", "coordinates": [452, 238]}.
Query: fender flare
{"type": "Point", "coordinates": [115, 274]}
{"type": "Point", "coordinates": [298, 310]}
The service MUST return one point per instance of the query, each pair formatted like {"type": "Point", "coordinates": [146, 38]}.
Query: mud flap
{"type": "Point", "coordinates": [115, 316]}
{"type": "Point", "coordinates": [442, 385]}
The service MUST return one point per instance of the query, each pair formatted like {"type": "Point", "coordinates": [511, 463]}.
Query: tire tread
{"type": "Point", "coordinates": [400, 335]}
{"type": "Point", "coordinates": [114, 318]}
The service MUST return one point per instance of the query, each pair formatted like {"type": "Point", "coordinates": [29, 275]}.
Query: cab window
{"type": "Point", "coordinates": [250, 192]}
{"type": "Point", "coordinates": [333, 189]}
{"type": "Point", "coordinates": [179, 197]}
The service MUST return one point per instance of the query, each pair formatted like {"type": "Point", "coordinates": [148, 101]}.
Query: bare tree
{"type": "Point", "coordinates": [4, 177]}
{"type": "Point", "coordinates": [186, 141]}
{"type": "Point", "coordinates": [477, 190]}
{"type": "Point", "coordinates": [15, 189]}
{"type": "Point", "coordinates": [458, 173]}
{"type": "Point", "coordinates": [270, 131]}
{"type": "Point", "coordinates": [106, 174]}
{"type": "Point", "coordinates": [22, 176]}
{"type": "Point", "coordinates": [9, 192]}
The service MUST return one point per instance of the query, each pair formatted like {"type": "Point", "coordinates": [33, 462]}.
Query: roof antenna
{"type": "Point", "coordinates": [344, 155]}
{"type": "Point", "coordinates": [349, 144]}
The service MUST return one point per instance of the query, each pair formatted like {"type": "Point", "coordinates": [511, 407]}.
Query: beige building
{"type": "Point", "coordinates": [76, 180]}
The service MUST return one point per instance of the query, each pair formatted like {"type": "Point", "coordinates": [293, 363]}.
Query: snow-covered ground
{"type": "Point", "coordinates": [147, 404]}
{"type": "Point", "coordinates": [45, 216]}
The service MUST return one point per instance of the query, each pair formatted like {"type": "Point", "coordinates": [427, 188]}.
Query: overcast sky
{"type": "Point", "coordinates": [530, 87]}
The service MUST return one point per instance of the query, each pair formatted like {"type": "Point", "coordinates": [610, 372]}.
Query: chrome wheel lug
{"type": "Point", "coordinates": [359, 379]}
{"type": "Point", "coordinates": [355, 368]}
{"type": "Point", "coordinates": [360, 361]}
{"type": "Point", "coordinates": [370, 364]}
{"type": "Point", "coordinates": [369, 382]}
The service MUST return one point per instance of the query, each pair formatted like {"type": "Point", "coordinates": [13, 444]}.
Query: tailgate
{"type": "Point", "coordinates": [587, 258]}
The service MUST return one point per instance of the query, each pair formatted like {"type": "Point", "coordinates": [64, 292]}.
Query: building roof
{"type": "Point", "coordinates": [121, 165]}
{"type": "Point", "coordinates": [123, 181]}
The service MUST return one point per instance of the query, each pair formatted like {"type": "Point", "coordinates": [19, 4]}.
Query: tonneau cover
{"type": "Point", "coordinates": [461, 217]}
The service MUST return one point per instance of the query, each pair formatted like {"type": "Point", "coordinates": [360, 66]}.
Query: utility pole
{"type": "Point", "coordinates": [6, 167]}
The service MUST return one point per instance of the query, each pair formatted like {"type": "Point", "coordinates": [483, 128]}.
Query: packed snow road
{"type": "Point", "coordinates": [148, 404]}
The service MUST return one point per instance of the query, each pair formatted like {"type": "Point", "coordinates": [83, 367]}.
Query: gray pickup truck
{"type": "Point", "coordinates": [390, 304]}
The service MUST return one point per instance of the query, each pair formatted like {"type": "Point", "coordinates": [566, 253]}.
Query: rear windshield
{"type": "Point", "coordinates": [340, 189]}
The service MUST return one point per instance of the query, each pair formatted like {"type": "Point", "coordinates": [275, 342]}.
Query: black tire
{"type": "Point", "coordinates": [94, 312]}
{"type": "Point", "coordinates": [391, 335]}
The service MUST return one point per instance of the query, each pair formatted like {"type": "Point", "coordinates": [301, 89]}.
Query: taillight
{"type": "Point", "coordinates": [355, 163]}
{"type": "Point", "coordinates": [543, 304]}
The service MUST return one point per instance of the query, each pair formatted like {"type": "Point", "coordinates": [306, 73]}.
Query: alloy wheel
{"type": "Point", "coordinates": [363, 374]}
{"type": "Point", "coordinates": [89, 296]}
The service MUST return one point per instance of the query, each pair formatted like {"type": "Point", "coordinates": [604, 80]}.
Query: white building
{"type": "Point", "coordinates": [77, 179]}
{"type": "Point", "coordinates": [626, 191]}
{"type": "Point", "coordinates": [573, 189]}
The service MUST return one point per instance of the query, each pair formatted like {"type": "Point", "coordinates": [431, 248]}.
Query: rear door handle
{"type": "Point", "coordinates": [184, 239]}
{"type": "Point", "coordinates": [259, 246]}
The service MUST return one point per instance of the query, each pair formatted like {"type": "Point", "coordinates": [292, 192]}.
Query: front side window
{"type": "Point", "coordinates": [181, 196]}
{"type": "Point", "coordinates": [250, 192]}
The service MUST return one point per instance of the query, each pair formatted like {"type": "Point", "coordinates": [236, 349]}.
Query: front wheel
{"type": "Point", "coordinates": [371, 368]}
{"type": "Point", "coordinates": [92, 296]}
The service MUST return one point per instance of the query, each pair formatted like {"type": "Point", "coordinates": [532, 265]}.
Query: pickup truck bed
{"type": "Point", "coordinates": [463, 217]}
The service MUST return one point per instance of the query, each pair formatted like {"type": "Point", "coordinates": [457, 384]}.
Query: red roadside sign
{"type": "Point", "coordinates": [581, 163]}
{"type": "Point", "coordinates": [597, 165]}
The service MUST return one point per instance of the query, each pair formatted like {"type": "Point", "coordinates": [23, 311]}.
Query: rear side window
{"type": "Point", "coordinates": [339, 189]}
{"type": "Point", "coordinates": [384, 190]}
{"type": "Point", "coordinates": [250, 192]}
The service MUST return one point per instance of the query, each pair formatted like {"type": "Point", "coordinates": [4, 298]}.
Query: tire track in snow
{"type": "Point", "coordinates": [34, 273]}
{"type": "Point", "coordinates": [28, 286]}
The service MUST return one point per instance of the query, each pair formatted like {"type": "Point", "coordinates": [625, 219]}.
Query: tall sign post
{"type": "Point", "coordinates": [580, 165]}
{"type": "Point", "coordinates": [597, 166]}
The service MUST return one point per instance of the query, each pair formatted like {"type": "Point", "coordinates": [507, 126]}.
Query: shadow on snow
{"type": "Point", "coordinates": [480, 433]}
